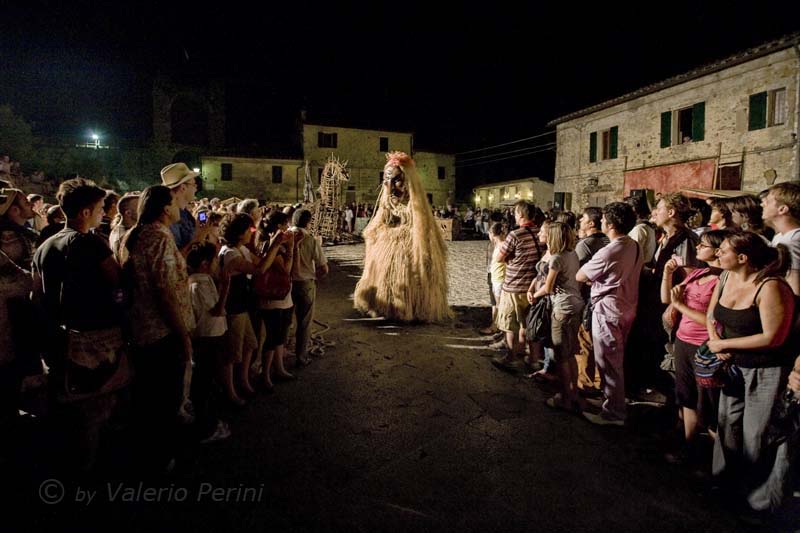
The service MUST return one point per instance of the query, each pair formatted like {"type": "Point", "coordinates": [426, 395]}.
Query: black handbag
{"type": "Point", "coordinates": [785, 419]}
{"type": "Point", "coordinates": [537, 323]}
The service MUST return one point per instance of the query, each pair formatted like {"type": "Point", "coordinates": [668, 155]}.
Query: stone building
{"type": "Point", "coordinates": [266, 179]}
{"type": "Point", "coordinates": [365, 152]}
{"type": "Point", "coordinates": [730, 125]}
{"type": "Point", "coordinates": [495, 195]}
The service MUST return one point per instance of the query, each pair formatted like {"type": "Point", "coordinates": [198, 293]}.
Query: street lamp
{"type": "Point", "coordinates": [96, 139]}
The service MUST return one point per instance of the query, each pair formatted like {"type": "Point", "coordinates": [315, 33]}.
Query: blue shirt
{"type": "Point", "coordinates": [184, 229]}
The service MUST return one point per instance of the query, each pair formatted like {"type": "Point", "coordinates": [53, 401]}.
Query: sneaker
{"type": "Point", "coordinates": [221, 432]}
{"type": "Point", "coordinates": [603, 419]}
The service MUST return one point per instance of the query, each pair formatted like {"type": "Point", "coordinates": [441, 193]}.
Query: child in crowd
{"type": "Point", "coordinates": [497, 273]}
{"type": "Point", "coordinates": [208, 336]}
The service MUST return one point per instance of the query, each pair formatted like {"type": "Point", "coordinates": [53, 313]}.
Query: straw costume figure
{"type": "Point", "coordinates": [405, 267]}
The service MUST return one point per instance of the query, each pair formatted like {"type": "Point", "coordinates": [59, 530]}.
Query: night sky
{"type": "Point", "coordinates": [459, 77]}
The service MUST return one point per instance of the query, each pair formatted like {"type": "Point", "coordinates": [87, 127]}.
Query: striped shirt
{"type": "Point", "coordinates": [522, 254]}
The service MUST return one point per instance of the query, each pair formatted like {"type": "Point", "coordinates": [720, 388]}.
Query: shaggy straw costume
{"type": "Point", "coordinates": [405, 268]}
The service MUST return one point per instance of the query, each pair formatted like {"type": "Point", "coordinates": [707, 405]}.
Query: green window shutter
{"type": "Point", "coordinates": [699, 121]}
{"type": "Point", "coordinates": [666, 129]}
{"type": "Point", "coordinates": [593, 147]}
{"type": "Point", "coordinates": [758, 111]}
{"type": "Point", "coordinates": [612, 152]}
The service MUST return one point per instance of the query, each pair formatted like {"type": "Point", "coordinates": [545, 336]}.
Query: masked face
{"type": "Point", "coordinates": [395, 181]}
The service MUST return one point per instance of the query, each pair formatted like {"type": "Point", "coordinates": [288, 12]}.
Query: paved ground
{"type": "Point", "coordinates": [409, 428]}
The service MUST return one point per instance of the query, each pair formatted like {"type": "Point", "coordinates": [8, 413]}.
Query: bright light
{"type": "Point", "coordinates": [530, 194]}
{"type": "Point", "coordinates": [95, 137]}
{"type": "Point", "coordinates": [491, 197]}
{"type": "Point", "coordinates": [196, 169]}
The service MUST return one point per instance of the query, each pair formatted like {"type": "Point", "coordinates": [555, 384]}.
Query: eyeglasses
{"type": "Point", "coordinates": [703, 245]}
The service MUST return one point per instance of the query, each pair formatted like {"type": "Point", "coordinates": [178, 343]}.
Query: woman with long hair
{"type": "Point", "coordinates": [160, 321]}
{"type": "Point", "coordinates": [564, 290]}
{"type": "Point", "coordinates": [749, 319]}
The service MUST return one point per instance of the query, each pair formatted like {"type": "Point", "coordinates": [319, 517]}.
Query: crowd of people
{"type": "Point", "coordinates": [150, 311]}
{"type": "Point", "coordinates": [696, 299]}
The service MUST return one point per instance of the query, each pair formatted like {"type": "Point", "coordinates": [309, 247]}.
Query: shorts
{"type": "Point", "coordinates": [564, 332]}
{"type": "Point", "coordinates": [241, 337]}
{"type": "Point", "coordinates": [511, 310]}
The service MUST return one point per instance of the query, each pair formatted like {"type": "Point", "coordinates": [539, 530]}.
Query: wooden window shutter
{"type": "Point", "coordinates": [320, 139]}
{"type": "Point", "coordinates": [758, 111]}
{"type": "Point", "coordinates": [612, 153]}
{"type": "Point", "coordinates": [699, 121]}
{"type": "Point", "coordinates": [666, 128]}
{"type": "Point", "coordinates": [593, 147]}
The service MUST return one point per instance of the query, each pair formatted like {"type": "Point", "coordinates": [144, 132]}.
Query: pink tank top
{"type": "Point", "coordinates": [697, 297]}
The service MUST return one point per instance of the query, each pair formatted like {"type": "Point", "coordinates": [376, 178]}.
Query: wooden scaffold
{"type": "Point", "coordinates": [325, 221]}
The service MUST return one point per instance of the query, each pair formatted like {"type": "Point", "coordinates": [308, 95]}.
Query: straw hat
{"type": "Point", "coordinates": [177, 174]}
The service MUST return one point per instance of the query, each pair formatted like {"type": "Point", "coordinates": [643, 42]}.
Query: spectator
{"type": "Point", "coordinates": [592, 239]}
{"type": "Point", "coordinates": [699, 221]}
{"type": "Point", "coordinates": [208, 337]}
{"type": "Point", "coordinates": [720, 217]}
{"type": "Point", "coordinates": [76, 279]}
{"type": "Point", "coordinates": [746, 213]}
{"type": "Point", "coordinates": [310, 265]}
{"type": "Point", "coordinates": [55, 223]}
{"type": "Point", "coordinates": [17, 245]}
{"type": "Point", "coordinates": [277, 314]}
{"type": "Point", "coordinates": [614, 274]}
{"type": "Point", "coordinates": [110, 210]}
{"type": "Point", "coordinates": [750, 316]}
{"type": "Point", "coordinates": [125, 219]}
{"type": "Point", "coordinates": [690, 299]}
{"type": "Point", "coordinates": [520, 252]}
{"type": "Point", "coordinates": [236, 262]}
{"type": "Point", "coordinates": [161, 318]}
{"type": "Point", "coordinates": [349, 219]}
{"type": "Point", "coordinates": [781, 212]}
{"type": "Point", "coordinates": [496, 273]}
{"type": "Point", "coordinates": [38, 221]}
{"type": "Point", "coordinates": [564, 290]}
{"type": "Point", "coordinates": [182, 182]}
{"type": "Point", "coordinates": [643, 232]}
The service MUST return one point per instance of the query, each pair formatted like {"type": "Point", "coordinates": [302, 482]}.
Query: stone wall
{"type": "Point", "coordinates": [362, 151]}
{"type": "Point", "coordinates": [253, 178]}
{"type": "Point", "coordinates": [442, 191]}
{"type": "Point", "coordinates": [726, 137]}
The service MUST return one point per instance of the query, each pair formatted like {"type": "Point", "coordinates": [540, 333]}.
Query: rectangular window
{"type": "Point", "coordinates": [777, 107]}
{"type": "Point", "coordinates": [683, 125]}
{"type": "Point", "coordinates": [384, 144]}
{"type": "Point", "coordinates": [440, 171]}
{"type": "Point", "coordinates": [380, 178]}
{"type": "Point", "coordinates": [327, 140]}
{"type": "Point", "coordinates": [730, 178]}
{"type": "Point", "coordinates": [608, 144]}
{"type": "Point", "coordinates": [277, 174]}
{"type": "Point", "coordinates": [767, 108]}
{"type": "Point", "coordinates": [226, 171]}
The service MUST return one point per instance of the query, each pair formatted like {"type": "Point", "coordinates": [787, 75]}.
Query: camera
{"type": "Point", "coordinates": [202, 217]}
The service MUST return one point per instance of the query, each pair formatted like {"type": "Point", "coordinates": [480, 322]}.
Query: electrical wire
{"type": "Point", "coordinates": [509, 152]}
{"type": "Point", "coordinates": [504, 158]}
{"type": "Point", "coordinates": [506, 144]}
